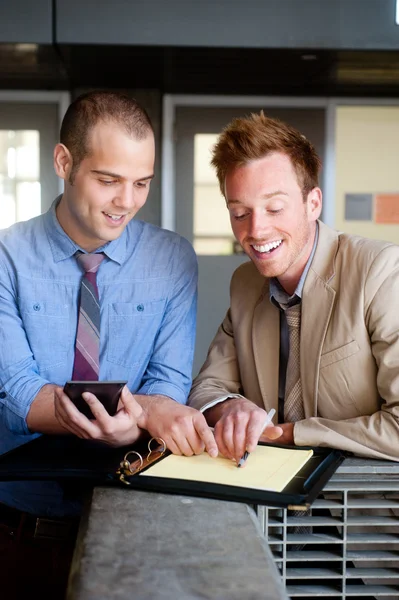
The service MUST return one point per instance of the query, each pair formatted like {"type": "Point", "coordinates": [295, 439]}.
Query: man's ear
{"type": "Point", "coordinates": [62, 161]}
{"type": "Point", "coordinates": [314, 203]}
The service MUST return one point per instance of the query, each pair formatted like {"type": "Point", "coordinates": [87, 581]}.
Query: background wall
{"type": "Point", "coordinates": [265, 47]}
{"type": "Point", "coordinates": [350, 24]}
{"type": "Point", "coordinates": [296, 48]}
{"type": "Point", "coordinates": [367, 161]}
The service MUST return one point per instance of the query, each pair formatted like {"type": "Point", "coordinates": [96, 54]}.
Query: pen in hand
{"type": "Point", "coordinates": [268, 420]}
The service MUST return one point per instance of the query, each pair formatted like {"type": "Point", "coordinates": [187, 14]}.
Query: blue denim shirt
{"type": "Point", "coordinates": [147, 287]}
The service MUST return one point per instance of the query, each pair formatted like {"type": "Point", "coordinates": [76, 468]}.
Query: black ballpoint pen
{"type": "Point", "coordinates": [268, 420]}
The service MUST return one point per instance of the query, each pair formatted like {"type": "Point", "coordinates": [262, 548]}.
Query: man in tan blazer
{"type": "Point", "coordinates": [347, 291]}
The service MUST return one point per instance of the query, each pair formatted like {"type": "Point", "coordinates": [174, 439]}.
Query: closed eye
{"type": "Point", "coordinates": [108, 181]}
{"type": "Point", "coordinates": [240, 217]}
{"type": "Point", "coordinates": [143, 184]}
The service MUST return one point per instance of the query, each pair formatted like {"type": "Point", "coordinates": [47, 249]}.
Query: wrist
{"type": "Point", "coordinates": [148, 404]}
{"type": "Point", "coordinates": [215, 412]}
{"type": "Point", "coordinates": [288, 433]}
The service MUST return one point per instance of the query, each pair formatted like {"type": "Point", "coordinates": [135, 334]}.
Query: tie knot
{"type": "Point", "coordinates": [293, 315]}
{"type": "Point", "coordinates": [90, 262]}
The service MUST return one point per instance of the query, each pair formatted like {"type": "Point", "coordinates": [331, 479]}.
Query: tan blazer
{"type": "Point", "coordinates": [349, 346]}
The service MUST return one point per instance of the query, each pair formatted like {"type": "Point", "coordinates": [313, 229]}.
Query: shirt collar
{"type": "Point", "coordinates": [276, 291]}
{"type": "Point", "coordinates": [63, 247]}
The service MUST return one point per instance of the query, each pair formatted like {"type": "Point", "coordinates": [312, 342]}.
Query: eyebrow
{"type": "Point", "coordinates": [265, 197]}
{"type": "Point", "coordinates": [117, 176]}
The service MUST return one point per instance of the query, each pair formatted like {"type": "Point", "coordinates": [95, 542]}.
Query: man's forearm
{"type": "Point", "coordinates": [41, 416]}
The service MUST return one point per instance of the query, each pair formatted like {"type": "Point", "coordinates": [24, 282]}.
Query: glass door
{"type": "Point", "coordinates": [28, 183]}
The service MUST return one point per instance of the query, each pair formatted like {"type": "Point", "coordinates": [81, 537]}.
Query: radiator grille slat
{"type": "Point", "coordinates": [381, 590]}
{"type": "Point", "coordinates": [313, 574]}
{"type": "Point", "coordinates": [373, 555]}
{"type": "Point", "coordinates": [313, 555]}
{"type": "Point", "coordinates": [377, 538]}
{"type": "Point", "coordinates": [311, 591]}
{"type": "Point", "coordinates": [372, 573]}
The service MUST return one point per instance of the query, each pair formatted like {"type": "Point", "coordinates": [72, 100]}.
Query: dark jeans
{"type": "Point", "coordinates": [35, 555]}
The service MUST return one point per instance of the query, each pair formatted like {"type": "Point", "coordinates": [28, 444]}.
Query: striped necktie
{"type": "Point", "coordinates": [293, 403]}
{"type": "Point", "coordinates": [293, 409]}
{"type": "Point", "coordinates": [87, 346]}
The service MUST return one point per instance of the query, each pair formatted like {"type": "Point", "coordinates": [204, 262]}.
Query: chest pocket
{"type": "Point", "coordinates": [132, 329]}
{"type": "Point", "coordinates": [47, 327]}
{"type": "Point", "coordinates": [338, 383]}
{"type": "Point", "coordinates": [338, 354]}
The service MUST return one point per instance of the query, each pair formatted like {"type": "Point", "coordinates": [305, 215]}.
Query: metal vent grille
{"type": "Point", "coordinates": [347, 544]}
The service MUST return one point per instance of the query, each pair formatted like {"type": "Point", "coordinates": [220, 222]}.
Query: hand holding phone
{"type": "Point", "coordinates": [107, 392]}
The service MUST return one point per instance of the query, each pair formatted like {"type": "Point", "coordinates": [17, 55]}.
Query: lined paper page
{"type": "Point", "coordinates": [267, 468]}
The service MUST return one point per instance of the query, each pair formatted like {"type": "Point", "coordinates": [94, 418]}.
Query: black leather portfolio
{"type": "Point", "coordinates": [61, 458]}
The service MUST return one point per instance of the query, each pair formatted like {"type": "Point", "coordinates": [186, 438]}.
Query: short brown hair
{"type": "Point", "coordinates": [105, 106]}
{"type": "Point", "coordinates": [250, 138]}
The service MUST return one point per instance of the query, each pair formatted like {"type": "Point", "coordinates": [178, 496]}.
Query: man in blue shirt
{"type": "Point", "coordinates": [147, 291]}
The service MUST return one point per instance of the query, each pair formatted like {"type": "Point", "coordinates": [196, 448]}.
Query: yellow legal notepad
{"type": "Point", "coordinates": [267, 468]}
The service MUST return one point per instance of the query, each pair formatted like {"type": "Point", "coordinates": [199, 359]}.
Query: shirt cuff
{"type": "Point", "coordinates": [218, 400]}
{"type": "Point", "coordinates": [17, 405]}
{"type": "Point", "coordinates": [162, 388]}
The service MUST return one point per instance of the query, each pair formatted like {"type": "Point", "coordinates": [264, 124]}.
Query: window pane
{"type": "Point", "coordinates": [214, 246]}
{"type": "Point", "coordinates": [20, 196]}
{"type": "Point", "coordinates": [212, 230]}
{"type": "Point", "coordinates": [28, 200]}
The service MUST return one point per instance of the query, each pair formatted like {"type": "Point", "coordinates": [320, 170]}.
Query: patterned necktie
{"type": "Point", "coordinates": [87, 347]}
{"type": "Point", "coordinates": [293, 408]}
{"type": "Point", "coordinates": [293, 403]}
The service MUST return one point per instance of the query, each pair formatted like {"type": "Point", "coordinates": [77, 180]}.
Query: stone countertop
{"type": "Point", "coordinates": [354, 466]}
{"type": "Point", "coordinates": [151, 546]}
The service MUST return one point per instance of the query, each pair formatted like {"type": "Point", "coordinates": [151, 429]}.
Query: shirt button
{"type": "Point", "coordinates": [2, 395]}
{"type": "Point", "coordinates": [36, 306]}
{"type": "Point", "coordinates": [140, 307]}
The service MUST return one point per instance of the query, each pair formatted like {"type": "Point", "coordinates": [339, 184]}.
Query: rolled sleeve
{"type": "Point", "coordinates": [19, 378]}
{"type": "Point", "coordinates": [17, 394]}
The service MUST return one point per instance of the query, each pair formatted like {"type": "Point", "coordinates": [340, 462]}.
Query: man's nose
{"type": "Point", "coordinates": [126, 197]}
{"type": "Point", "coordinates": [259, 225]}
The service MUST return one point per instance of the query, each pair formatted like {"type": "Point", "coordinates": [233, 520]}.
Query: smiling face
{"type": "Point", "coordinates": [109, 187]}
{"type": "Point", "coordinates": [270, 218]}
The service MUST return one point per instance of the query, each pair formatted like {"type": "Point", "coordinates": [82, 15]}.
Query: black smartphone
{"type": "Point", "coordinates": [107, 392]}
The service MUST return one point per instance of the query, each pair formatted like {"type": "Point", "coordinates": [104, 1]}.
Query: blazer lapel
{"type": "Point", "coordinates": [317, 304]}
{"type": "Point", "coordinates": [266, 344]}
{"type": "Point", "coordinates": [315, 316]}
